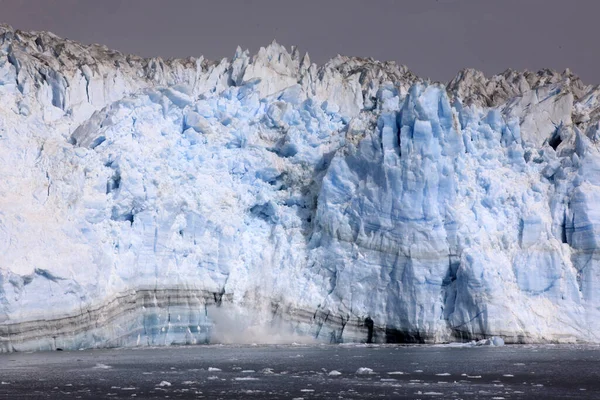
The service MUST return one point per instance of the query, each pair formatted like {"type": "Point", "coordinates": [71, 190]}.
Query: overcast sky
{"type": "Point", "coordinates": [433, 38]}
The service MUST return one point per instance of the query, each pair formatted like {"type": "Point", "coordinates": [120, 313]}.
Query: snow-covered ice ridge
{"type": "Point", "coordinates": [145, 201]}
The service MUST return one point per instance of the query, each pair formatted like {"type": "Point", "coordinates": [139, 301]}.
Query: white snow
{"type": "Point", "coordinates": [470, 210]}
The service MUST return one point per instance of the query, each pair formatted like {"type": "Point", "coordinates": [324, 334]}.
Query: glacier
{"type": "Point", "coordinates": [152, 202]}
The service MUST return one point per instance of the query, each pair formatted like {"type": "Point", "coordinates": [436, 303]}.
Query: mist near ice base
{"type": "Point", "coordinates": [234, 325]}
{"type": "Point", "coordinates": [147, 192]}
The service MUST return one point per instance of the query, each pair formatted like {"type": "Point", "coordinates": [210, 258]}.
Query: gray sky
{"type": "Point", "coordinates": [433, 38]}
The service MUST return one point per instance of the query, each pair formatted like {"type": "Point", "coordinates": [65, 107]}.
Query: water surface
{"type": "Point", "coordinates": [302, 371]}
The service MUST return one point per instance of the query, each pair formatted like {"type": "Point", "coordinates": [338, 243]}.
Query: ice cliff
{"type": "Point", "coordinates": [154, 202]}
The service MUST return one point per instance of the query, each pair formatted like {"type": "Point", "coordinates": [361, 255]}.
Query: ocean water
{"type": "Point", "coordinates": [307, 372]}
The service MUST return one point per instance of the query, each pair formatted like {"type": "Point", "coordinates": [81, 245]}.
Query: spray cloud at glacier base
{"type": "Point", "coordinates": [142, 201]}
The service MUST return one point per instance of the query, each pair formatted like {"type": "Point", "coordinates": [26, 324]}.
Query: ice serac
{"type": "Point", "coordinates": [151, 202]}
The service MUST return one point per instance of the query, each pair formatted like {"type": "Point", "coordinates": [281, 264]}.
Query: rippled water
{"type": "Point", "coordinates": [300, 371]}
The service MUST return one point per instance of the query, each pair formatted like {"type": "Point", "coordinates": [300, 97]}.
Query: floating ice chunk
{"type": "Point", "coordinates": [246, 378]}
{"type": "Point", "coordinates": [443, 374]}
{"type": "Point", "coordinates": [267, 371]}
{"type": "Point", "coordinates": [102, 366]}
{"type": "Point", "coordinates": [364, 371]}
{"type": "Point", "coordinates": [213, 369]}
{"type": "Point", "coordinates": [334, 373]}
{"type": "Point", "coordinates": [396, 373]}
{"type": "Point", "coordinates": [164, 384]}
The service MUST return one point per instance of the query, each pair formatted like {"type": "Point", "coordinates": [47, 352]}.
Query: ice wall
{"type": "Point", "coordinates": [144, 201]}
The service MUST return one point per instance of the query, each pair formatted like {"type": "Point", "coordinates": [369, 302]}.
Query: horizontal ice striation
{"type": "Point", "coordinates": [150, 202]}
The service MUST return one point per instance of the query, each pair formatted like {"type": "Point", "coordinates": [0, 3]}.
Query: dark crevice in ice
{"type": "Point", "coordinates": [369, 324]}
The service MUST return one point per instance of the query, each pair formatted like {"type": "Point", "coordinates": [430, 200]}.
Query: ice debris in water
{"type": "Point", "coordinates": [267, 371]}
{"type": "Point", "coordinates": [334, 373]}
{"type": "Point", "coordinates": [364, 371]}
{"type": "Point", "coordinates": [164, 384]}
{"type": "Point", "coordinates": [102, 366]}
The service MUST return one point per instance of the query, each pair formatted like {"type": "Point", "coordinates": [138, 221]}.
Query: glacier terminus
{"type": "Point", "coordinates": [262, 198]}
